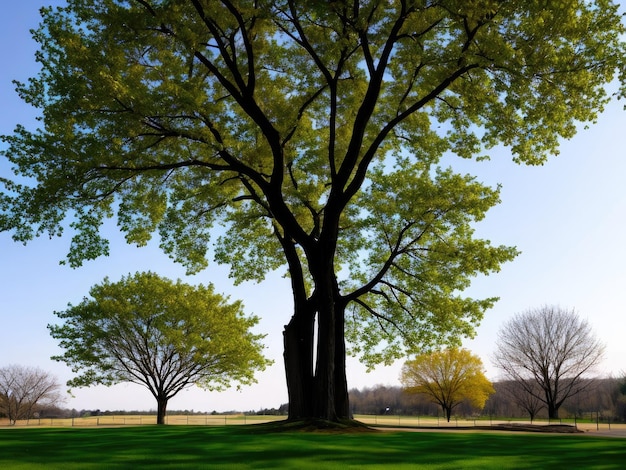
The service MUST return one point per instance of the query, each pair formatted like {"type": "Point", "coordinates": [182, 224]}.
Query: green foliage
{"type": "Point", "coordinates": [448, 377]}
{"type": "Point", "coordinates": [161, 334]}
{"type": "Point", "coordinates": [305, 134]}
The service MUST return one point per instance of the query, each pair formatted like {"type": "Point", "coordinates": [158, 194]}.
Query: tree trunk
{"type": "Point", "coordinates": [320, 390]}
{"type": "Point", "coordinates": [316, 390]}
{"type": "Point", "coordinates": [298, 357]}
{"type": "Point", "coordinates": [342, 404]}
{"type": "Point", "coordinates": [325, 367]}
{"type": "Point", "coordinates": [553, 411]}
{"type": "Point", "coordinates": [447, 410]}
{"type": "Point", "coordinates": [161, 409]}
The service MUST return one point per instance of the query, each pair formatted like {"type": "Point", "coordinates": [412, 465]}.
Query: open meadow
{"type": "Point", "coordinates": [252, 446]}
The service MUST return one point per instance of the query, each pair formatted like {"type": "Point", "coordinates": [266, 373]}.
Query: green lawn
{"type": "Point", "coordinates": [245, 447]}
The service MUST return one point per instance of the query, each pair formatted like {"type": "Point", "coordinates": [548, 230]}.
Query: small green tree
{"type": "Point", "coordinates": [448, 377]}
{"type": "Point", "coordinates": [166, 336]}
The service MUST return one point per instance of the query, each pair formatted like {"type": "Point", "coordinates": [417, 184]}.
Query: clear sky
{"type": "Point", "coordinates": [567, 217]}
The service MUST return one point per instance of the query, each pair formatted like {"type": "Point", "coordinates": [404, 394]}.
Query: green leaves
{"type": "Point", "coordinates": [159, 334]}
{"type": "Point", "coordinates": [418, 255]}
{"type": "Point", "coordinates": [279, 133]}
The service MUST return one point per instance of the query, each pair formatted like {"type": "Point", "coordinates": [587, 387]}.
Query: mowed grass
{"type": "Point", "coordinates": [250, 447]}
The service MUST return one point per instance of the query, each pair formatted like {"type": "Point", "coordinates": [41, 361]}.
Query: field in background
{"type": "Point", "coordinates": [141, 420]}
{"type": "Point", "coordinates": [241, 419]}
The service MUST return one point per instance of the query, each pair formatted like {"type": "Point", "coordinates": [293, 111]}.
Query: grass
{"type": "Point", "coordinates": [249, 447]}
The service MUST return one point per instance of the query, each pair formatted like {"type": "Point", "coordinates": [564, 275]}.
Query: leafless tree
{"type": "Point", "coordinates": [24, 389]}
{"type": "Point", "coordinates": [518, 393]}
{"type": "Point", "coordinates": [548, 352]}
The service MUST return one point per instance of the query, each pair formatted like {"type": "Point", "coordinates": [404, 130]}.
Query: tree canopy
{"type": "Point", "coordinates": [306, 135]}
{"type": "Point", "coordinates": [550, 353]}
{"type": "Point", "coordinates": [163, 335]}
{"type": "Point", "coordinates": [449, 377]}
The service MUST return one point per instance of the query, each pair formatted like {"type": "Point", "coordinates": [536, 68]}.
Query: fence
{"type": "Point", "coordinates": [241, 419]}
{"type": "Point", "coordinates": [455, 422]}
{"type": "Point", "coordinates": [140, 420]}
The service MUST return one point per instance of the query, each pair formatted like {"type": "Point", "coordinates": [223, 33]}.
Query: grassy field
{"type": "Point", "coordinates": [250, 447]}
{"type": "Point", "coordinates": [140, 420]}
{"type": "Point", "coordinates": [238, 419]}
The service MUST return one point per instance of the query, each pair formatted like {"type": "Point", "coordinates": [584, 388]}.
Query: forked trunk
{"type": "Point", "coordinates": [317, 390]}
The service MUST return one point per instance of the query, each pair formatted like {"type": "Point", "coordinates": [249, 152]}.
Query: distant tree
{"type": "Point", "coordinates": [24, 389]}
{"type": "Point", "coordinates": [449, 377]}
{"type": "Point", "coordinates": [524, 400]}
{"type": "Point", "coordinates": [163, 335]}
{"type": "Point", "coordinates": [548, 352]}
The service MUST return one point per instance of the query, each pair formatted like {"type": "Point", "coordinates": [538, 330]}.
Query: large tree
{"type": "Point", "coordinates": [24, 390]}
{"type": "Point", "coordinates": [449, 377]}
{"type": "Point", "coordinates": [312, 132]}
{"type": "Point", "coordinates": [163, 335]}
{"type": "Point", "coordinates": [549, 352]}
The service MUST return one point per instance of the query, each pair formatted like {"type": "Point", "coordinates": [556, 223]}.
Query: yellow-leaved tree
{"type": "Point", "coordinates": [449, 377]}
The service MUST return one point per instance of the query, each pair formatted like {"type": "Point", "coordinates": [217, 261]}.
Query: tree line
{"type": "Point", "coordinates": [604, 398]}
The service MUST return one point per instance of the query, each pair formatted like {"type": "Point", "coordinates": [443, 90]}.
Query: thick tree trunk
{"type": "Point", "coordinates": [161, 410]}
{"type": "Point", "coordinates": [316, 390]}
{"type": "Point", "coordinates": [320, 390]}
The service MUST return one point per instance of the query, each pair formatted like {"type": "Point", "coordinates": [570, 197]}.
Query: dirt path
{"type": "Point", "coordinates": [618, 431]}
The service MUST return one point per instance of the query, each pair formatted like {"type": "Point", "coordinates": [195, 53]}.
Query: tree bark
{"type": "Point", "coordinates": [325, 367]}
{"type": "Point", "coordinates": [298, 358]}
{"type": "Point", "coordinates": [342, 403]}
{"type": "Point", "coordinates": [161, 409]}
{"type": "Point", "coordinates": [553, 411]}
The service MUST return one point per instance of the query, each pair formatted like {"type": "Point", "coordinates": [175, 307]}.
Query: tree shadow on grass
{"type": "Point", "coordinates": [247, 447]}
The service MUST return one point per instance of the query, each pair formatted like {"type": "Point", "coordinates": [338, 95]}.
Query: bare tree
{"type": "Point", "coordinates": [548, 352]}
{"type": "Point", "coordinates": [24, 389]}
{"type": "Point", "coordinates": [518, 393]}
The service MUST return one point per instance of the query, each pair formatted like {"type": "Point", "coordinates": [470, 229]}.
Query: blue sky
{"type": "Point", "coordinates": [568, 218]}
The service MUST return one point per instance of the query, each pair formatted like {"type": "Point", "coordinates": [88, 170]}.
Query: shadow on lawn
{"type": "Point", "coordinates": [248, 447]}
